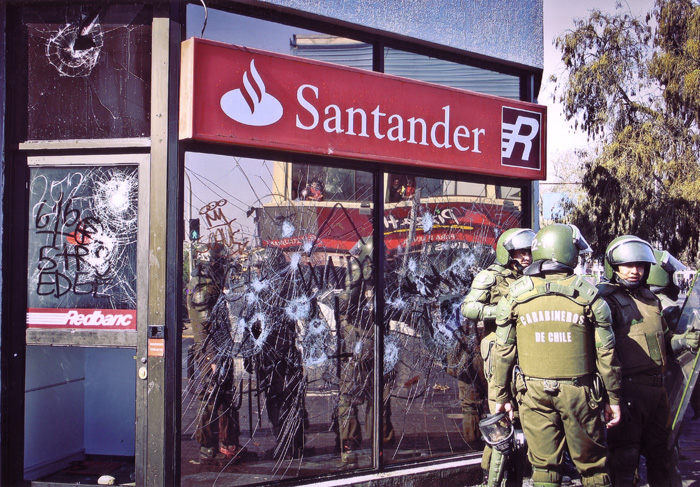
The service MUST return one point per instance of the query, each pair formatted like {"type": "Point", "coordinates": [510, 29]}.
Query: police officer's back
{"type": "Point", "coordinates": [560, 331]}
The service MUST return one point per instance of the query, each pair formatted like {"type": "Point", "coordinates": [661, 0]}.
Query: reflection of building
{"type": "Point", "coordinates": [96, 84]}
{"type": "Point", "coordinates": [497, 207]}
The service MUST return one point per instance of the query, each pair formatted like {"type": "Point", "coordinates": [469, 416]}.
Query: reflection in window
{"type": "Point", "coordinates": [282, 325]}
{"type": "Point", "coordinates": [333, 49]}
{"type": "Point", "coordinates": [318, 183]}
{"type": "Point", "coordinates": [89, 71]}
{"type": "Point", "coordinates": [433, 70]}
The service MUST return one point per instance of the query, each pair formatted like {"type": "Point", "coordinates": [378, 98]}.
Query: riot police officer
{"type": "Point", "coordinates": [356, 375]}
{"type": "Point", "coordinates": [643, 343]}
{"type": "Point", "coordinates": [489, 285]}
{"type": "Point", "coordinates": [661, 282]}
{"type": "Point", "coordinates": [561, 332]}
{"type": "Point", "coordinates": [217, 430]}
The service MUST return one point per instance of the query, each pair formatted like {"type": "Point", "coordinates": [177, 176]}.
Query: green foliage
{"type": "Point", "coordinates": [637, 91]}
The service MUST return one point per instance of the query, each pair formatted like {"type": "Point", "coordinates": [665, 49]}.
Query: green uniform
{"type": "Point", "coordinates": [216, 390]}
{"type": "Point", "coordinates": [642, 343]}
{"type": "Point", "coordinates": [356, 309]}
{"type": "Point", "coordinates": [488, 287]}
{"type": "Point", "coordinates": [561, 333]}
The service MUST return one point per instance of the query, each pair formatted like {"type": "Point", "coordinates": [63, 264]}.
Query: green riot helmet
{"type": "Point", "coordinates": [360, 261]}
{"type": "Point", "coordinates": [510, 240]}
{"type": "Point", "coordinates": [560, 243]}
{"type": "Point", "coordinates": [661, 274]}
{"type": "Point", "coordinates": [628, 249]}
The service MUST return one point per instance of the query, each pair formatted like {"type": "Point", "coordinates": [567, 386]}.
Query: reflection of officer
{"type": "Point", "coordinates": [278, 363]}
{"type": "Point", "coordinates": [643, 339]}
{"type": "Point", "coordinates": [217, 415]}
{"type": "Point", "coordinates": [356, 376]}
{"type": "Point", "coordinates": [561, 332]}
{"type": "Point", "coordinates": [281, 379]}
{"type": "Point", "coordinates": [512, 256]}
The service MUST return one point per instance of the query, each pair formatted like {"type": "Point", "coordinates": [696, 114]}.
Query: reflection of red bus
{"type": "Point", "coordinates": [335, 227]}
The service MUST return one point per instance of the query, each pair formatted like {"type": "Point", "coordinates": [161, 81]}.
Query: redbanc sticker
{"type": "Point", "coordinates": [93, 319]}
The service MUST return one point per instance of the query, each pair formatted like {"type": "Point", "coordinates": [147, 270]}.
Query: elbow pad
{"type": "Point", "coordinates": [604, 334]}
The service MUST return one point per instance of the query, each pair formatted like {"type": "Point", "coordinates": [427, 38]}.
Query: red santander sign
{"type": "Point", "coordinates": [242, 96]}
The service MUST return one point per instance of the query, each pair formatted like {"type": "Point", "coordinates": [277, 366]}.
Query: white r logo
{"type": "Point", "coordinates": [520, 138]}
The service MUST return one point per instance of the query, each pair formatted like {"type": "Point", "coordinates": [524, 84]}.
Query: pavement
{"type": "Point", "coordinates": [689, 448]}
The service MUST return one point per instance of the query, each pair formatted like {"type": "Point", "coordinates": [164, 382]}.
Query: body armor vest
{"type": "Point", "coordinates": [639, 329]}
{"type": "Point", "coordinates": [555, 336]}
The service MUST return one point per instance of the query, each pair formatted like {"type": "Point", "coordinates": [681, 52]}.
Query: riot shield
{"type": "Point", "coordinates": [683, 374]}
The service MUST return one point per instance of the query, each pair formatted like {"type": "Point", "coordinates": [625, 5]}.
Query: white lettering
{"type": "Point", "coordinates": [97, 318]}
{"type": "Point", "coordinates": [445, 127]}
{"type": "Point", "coordinates": [396, 132]}
{"type": "Point", "coordinates": [338, 128]}
{"type": "Point", "coordinates": [441, 134]}
{"type": "Point", "coordinates": [413, 121]}
{"type": "Point", "coordinates": [377, 116]}
{"type": "Point", "coordinates": [351, 121]}
{"type": "Point", "coordinates": [477, 133]}
{"type": "Point", "coordinates": [460, 131]}
{"type": "Point", "coordinates": [308, 106]}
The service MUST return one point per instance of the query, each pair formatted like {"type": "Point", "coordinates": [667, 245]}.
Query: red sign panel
{"type": "Point", "coordinates": [89, 319]}
{"type": "Point", "coordinates": [242, 96]}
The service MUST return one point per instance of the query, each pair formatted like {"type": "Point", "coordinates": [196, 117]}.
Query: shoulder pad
{"type": "Point", "coordinates": [587, 292]}
{"type": "Point", "coordinates": [585, 288]}
{"type": "Point", "coordinates": [604, 334]}
{"type": "Point", "coordinates": [499, 270]}
{"type": "Point", "coordinates": [496, 267]}
{"type": "Point", "coordinates": [606, 289]}
{"type": "Point", "coordinates": [484, 279]}
{"type": "Point", "coordinates": [520, 288]}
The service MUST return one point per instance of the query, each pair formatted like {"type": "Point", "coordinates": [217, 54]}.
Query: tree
{"type": "Point", "coordinates": [635, 89]}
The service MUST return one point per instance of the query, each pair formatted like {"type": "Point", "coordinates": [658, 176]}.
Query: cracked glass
{"type": "Point", "coordinates": [286, 364]}
{"type": "Point", "coordinates": [88, 71]}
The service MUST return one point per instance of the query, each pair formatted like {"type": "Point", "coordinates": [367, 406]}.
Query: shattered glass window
{"type": "Point", "coordinates": [282, 338]}
{"type": "Point", "coordinates": [88, 71]}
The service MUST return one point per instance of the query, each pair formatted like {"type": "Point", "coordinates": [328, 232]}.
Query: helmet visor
{"type": "Point", "coordinates": [521, 239]}
{"type": "Point", "coordinates": [579, 241]}
{"type": "Point", "coordinates": [630, 250]}
{"type": "Point", "coordinates": [669, 263]}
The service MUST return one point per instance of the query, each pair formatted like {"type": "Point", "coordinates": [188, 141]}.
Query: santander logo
{"type": "Point", "coordinates": [253, 107]}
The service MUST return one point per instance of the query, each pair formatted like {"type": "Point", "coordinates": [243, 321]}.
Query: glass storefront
{"type": "Point", "coordinates": [308, 349]}
{"type": "Point", "coordinates": [286, 365]}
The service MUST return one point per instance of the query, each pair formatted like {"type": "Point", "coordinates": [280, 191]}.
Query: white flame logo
{"type": "Point", "coordinates": [255, 107]}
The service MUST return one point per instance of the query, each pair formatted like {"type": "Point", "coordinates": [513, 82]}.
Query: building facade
{"type": "Point", "coordinates": [337, 172]}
